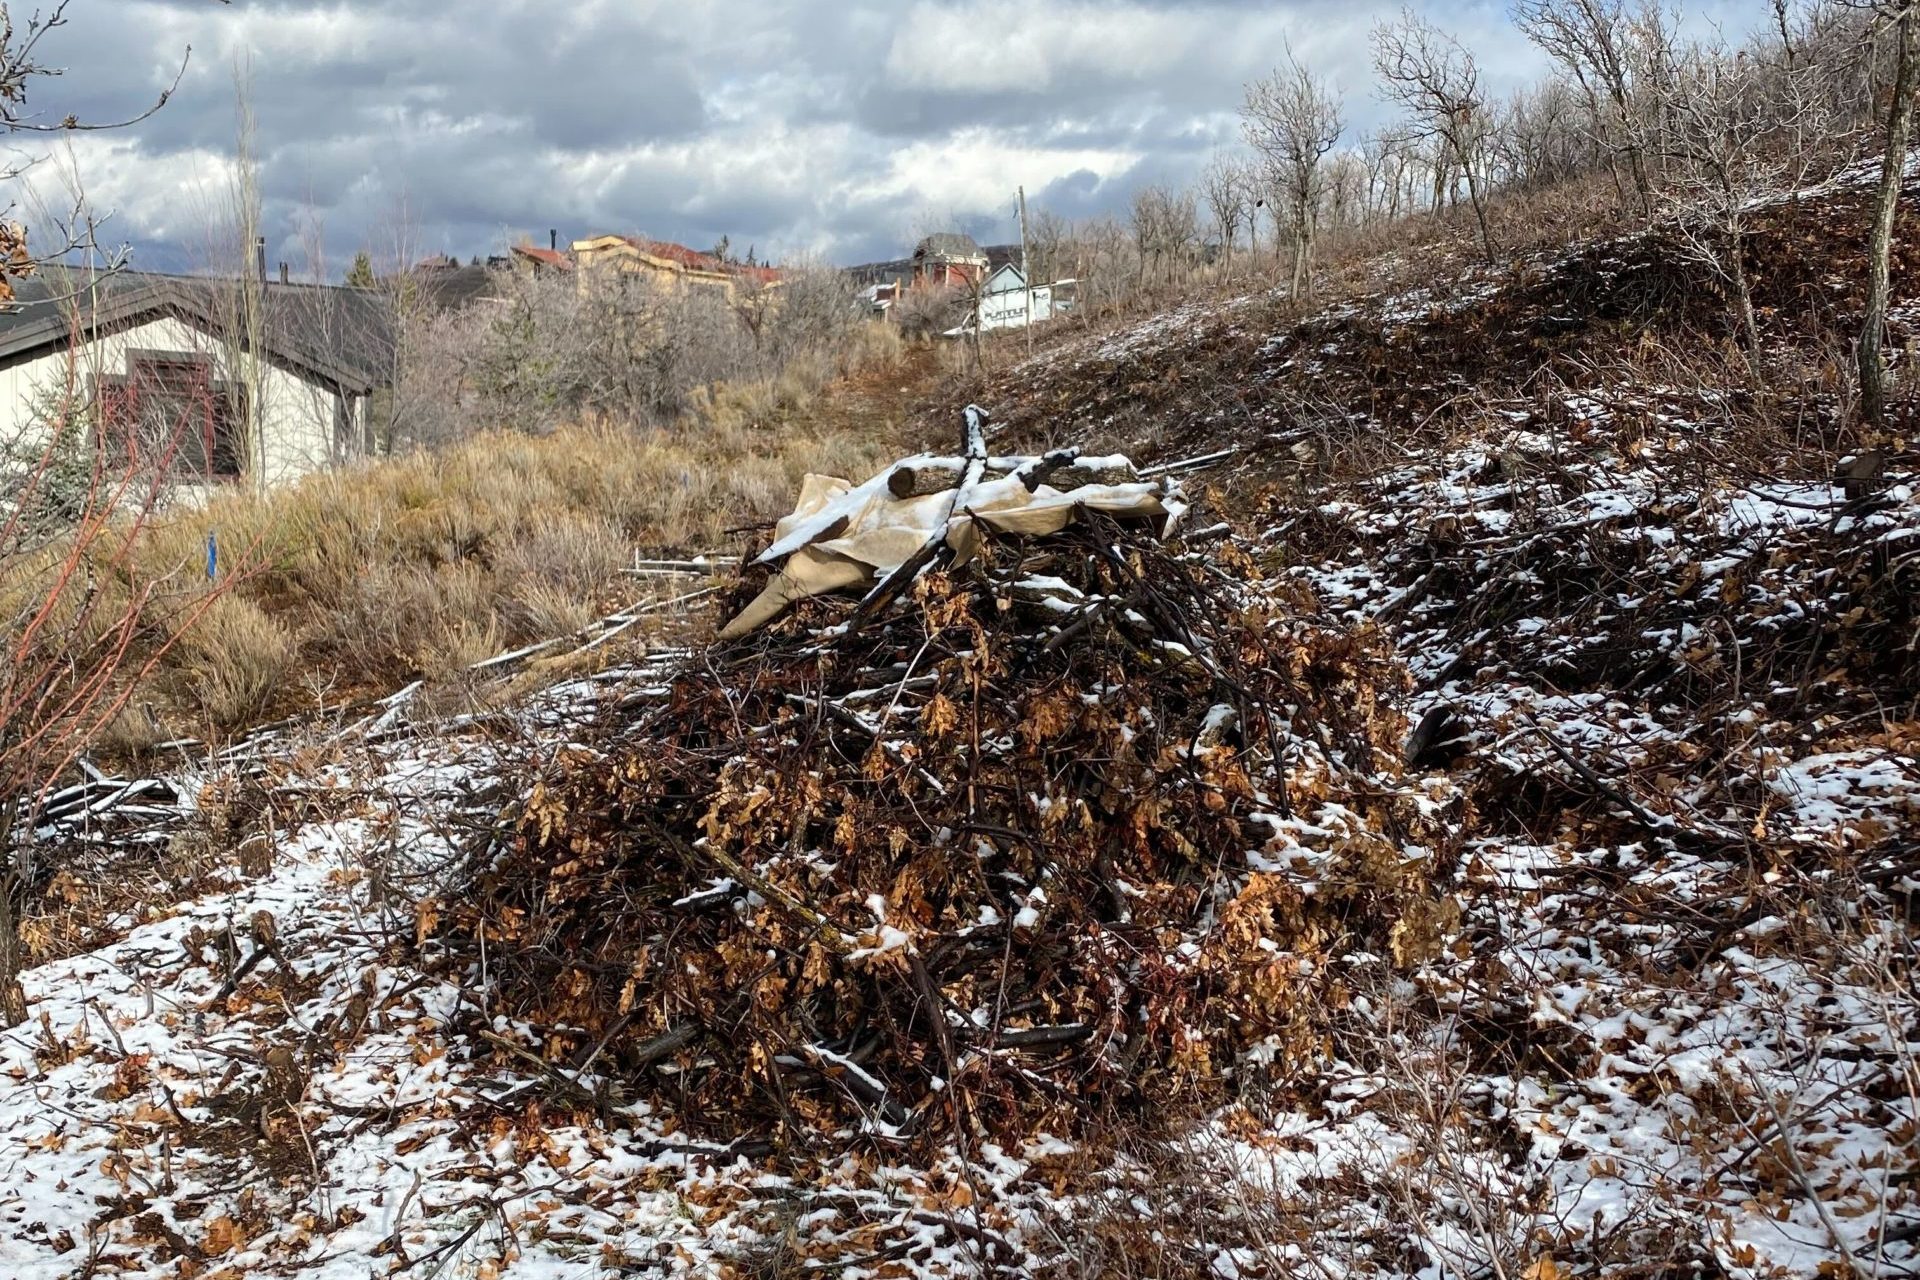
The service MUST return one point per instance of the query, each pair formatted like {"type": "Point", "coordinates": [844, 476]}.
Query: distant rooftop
{"type": "Point", "coordinates": [949, 244]}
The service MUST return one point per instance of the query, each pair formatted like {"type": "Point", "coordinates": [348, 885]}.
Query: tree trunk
{"type": "Point", "coordinates": [1479, 209]}
{"type": "Point", "coordinates": [13, 999]}
{"type": "Point", "coordinates": [1637, 165]}
{"type": "Point", "coordinates": [1613, 171]}
{"type": "Point", "coordinates": [1893, 167]}
{"type": "Point", "coordinates": [1743, 295]}
{"type": "Point", "coordinates": [1302, 249]}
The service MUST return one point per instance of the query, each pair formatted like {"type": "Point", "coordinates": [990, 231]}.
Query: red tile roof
{"type": "Point", "coordinates": [691, 259]}
{"type": "Point", "coordinates": [546, 257]}
{"type": "Point", "coordinates": [694, 260]}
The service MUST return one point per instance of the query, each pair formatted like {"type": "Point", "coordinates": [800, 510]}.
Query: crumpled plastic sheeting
{"type": "Point", "coordinates": [842, 536]}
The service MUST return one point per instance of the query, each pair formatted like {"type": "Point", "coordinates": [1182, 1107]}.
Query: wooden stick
{"type": "Point", "coordinates": [1188, 464]}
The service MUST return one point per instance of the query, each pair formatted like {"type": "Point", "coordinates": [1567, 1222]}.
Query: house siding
{"type": "Point", "coordinates": [1006, 302]}
{"type": "Point", "coordinates": [298, 419]}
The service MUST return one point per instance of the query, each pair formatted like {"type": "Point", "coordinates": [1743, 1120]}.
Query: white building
{"type": "Point", "coordinates": [1007, 301]}
{"type": "Point", "coordinates": [143, 357]}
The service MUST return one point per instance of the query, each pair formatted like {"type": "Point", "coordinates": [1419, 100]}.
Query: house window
{"type": "Point", "coordinates": [169, 411]}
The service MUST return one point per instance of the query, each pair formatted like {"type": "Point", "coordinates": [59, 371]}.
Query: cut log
{"type": "Point", "coordinates": [1863, 474]}
{"type": "Point", "coordinates": [918, 482]}
{"type": "Point", "coordinates": [1076, 475]}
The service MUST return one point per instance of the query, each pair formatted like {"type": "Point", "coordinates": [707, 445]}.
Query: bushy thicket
{"type": "Point", "coordinates": [544, 351]}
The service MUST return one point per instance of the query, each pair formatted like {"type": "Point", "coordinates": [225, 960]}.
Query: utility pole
{"type": "Point", "coordinates": [1026, 281]}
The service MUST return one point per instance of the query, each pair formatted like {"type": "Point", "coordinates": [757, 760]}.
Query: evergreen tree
{"type": "Point", "coordinates": [361, 276]}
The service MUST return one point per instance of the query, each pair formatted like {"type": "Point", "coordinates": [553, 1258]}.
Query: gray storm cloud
{"type": "Point", "coordinates": [801, 126]}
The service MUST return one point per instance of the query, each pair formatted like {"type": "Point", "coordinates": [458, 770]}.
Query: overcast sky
{"type": "Point", "coordinates": [835, 128]}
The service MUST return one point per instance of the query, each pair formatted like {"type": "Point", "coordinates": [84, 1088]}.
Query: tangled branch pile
{"type": "Point", "coordinates": [1057, 832]}
{"type": "Point", "coordinates": [1729, 662]}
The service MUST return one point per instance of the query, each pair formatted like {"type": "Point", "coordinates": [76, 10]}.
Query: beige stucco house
{"type": "Point", "coordinates": [673, 265]}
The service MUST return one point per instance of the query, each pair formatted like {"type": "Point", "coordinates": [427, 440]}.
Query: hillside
{"type": "Point", "coordinates": [1422, 341]}
{"type": "Point", "coordinates": [1464, 824]}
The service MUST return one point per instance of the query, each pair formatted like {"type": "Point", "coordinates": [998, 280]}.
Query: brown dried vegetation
{"type": "Point", "coordinates": [943, 872]}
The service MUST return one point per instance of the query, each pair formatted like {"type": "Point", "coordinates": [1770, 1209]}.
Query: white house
{"type": "Point", "coordinates": [1007, 301]}
{"type": "Point", "coordinates": [140, 352]}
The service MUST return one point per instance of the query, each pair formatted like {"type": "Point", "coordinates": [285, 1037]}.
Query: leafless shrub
{"type": "Point", "coordinates": [545, 351]}
{"type": "Point", "coordinates": [80, 621]}
{"type": "Point", "coordinates": [1731, 136]}
{"type": "Point", "coordinates": [812, 313]}
{"type": "Point", "coordinates": [1292, 120]}
{"type": "Point", "coordinates": [929, 309]}
{"type": "Point", "coordinates": [1437, 82]}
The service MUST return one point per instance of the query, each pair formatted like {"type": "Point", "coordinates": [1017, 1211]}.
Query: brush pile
{"type": "Point", "coordinates": [1726, 665]}
{"type": "Point", "coordinates": [1045, 829]}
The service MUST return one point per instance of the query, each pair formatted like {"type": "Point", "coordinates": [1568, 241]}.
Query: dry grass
{"type": "Point", "coordinates": [360, 579]}
{"type": "Point", "coordinates": [233, 660]}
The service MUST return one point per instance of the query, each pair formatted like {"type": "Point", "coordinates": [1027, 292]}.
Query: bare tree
{"type": "Point", "coordinates": [1397, 155]}
{"type": "Point", "coordinates": [74, 497]}
{"type": "Point", "coordinates": [1344, 203]}
{"type": "Point", "coordinates": [1220, 188]}
{"type": "Point", "coordinates": [1900, 14]}
{"type": "Point", "coordinates": [1547, 136]}
{"type": "Point", "coordinates": [1731, 139]}
{"type": "Point", "coordinates": [1377, 157]}
{"type": "Point", "coordinates": [1145, 221]}
{"type": "Point", "coordinates": [1047, 237]}
{"type": "Point", "coordinates": [1165, 226]}
{"type": "Point", "coordinates": [1437, 82]}
{"type": "Point", "coordinates": [1105, 264]}
{"type": "Point", "coordinates": [1592, 40]}
{"type": "Point", "coordinates": [1253, 196]}
{"type": "Point", "coordinates": [238, 288]}
{"type": "Point", "coordinates": [1292, 120]}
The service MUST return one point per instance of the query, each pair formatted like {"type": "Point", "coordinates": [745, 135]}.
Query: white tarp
{"type": "Point", "coordinates": [842, 536]}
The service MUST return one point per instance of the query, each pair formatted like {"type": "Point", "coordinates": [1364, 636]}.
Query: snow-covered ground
{"type": "Point", "coordinates": [1672, 1025]}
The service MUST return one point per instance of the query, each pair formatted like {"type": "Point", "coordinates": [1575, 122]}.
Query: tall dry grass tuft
{"type": "Point", "coordinates": [234, 660]}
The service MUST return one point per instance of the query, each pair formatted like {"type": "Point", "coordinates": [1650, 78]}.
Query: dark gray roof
{"type": "Point", "coordinates": [451, 288]}
{"type": "Point", "coordinates": [948, 244]}
{"type": "Point", "coordinates": [338, 336]}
